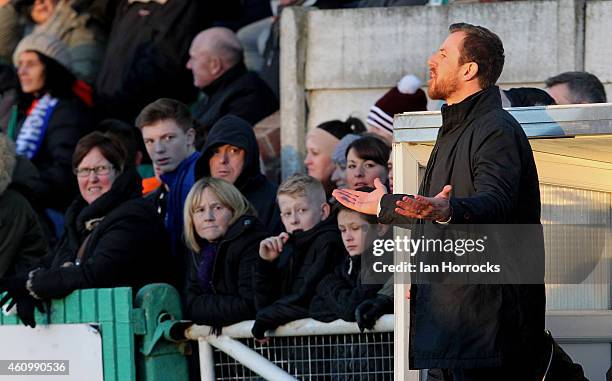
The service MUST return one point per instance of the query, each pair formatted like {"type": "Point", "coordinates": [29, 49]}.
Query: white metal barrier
{"type": "Point", "coordinates": [306, 337]}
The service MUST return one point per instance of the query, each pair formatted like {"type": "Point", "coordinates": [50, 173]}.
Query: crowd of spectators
{"type": "Point", "coordinates": [97, 95]}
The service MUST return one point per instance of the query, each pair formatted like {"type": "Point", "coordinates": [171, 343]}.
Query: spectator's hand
{"type": "Point", "coordinates": [25, 309]}
{"type": "Point", "coordinates": [362, 202]}
{"type": "Point", "coordinates": [370, 310]}
{"type": "Point", "coordinates": [287, 3]}
{"type": "Point", "coordinates": [15, 287]}
{"type": "Point", "coordinates": [427, 208]}
{"type": "Point", "coordinates": [271, 247]}
{"type": "Point", "coordinates": [4, 2]}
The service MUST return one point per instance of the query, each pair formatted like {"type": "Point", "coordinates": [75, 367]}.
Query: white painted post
{"type": "Point", "coordinates": [207, 361]}
{"type": "Point", "coordinates": [249, 358]}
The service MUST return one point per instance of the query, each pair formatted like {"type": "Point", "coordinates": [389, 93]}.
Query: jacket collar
{"type": "Point", "coordinates": [304, 238]}
{"type": "Point", "coordinates": [464, 112]}
{"type": "Point", "coordinates": [238, 227]}
{"type": "Point", "coordinates": [171, 178]}
{"type": "Point", "coordinates": [226, 78]}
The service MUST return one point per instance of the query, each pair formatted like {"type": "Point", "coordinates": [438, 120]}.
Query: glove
{"type": "Point", "coordinates": [25, 310]}
{"type": "Point", "coordinates": [15, 287]}
{"type": "Point", "coordinates": [258, 330]}
{"type": "Point", "coordinates": [370, 310]}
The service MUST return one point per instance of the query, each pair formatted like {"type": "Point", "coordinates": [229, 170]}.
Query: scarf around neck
{"type": "Point", "coordinates": [35, 126]}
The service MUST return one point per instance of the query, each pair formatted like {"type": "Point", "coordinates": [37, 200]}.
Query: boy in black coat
{"type": "Point", "coordinates": [292, 264]}
{"type": "Point", "coordinates": [339, 293]}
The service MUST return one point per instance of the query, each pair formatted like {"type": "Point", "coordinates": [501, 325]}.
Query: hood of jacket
{"type": "Point", "coordinates": [236, 131]}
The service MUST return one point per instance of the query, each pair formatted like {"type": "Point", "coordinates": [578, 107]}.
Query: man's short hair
{"type": "Point", "coordinates": [584, 87]}
{"type": "Point", "coordinates": [300, 185]}
{"type": "Point", "coordinates": [484, 47]}
{"type": "Point", "coordinates": [165, 109]}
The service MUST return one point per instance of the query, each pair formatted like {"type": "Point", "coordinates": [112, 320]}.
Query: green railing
{"type": "Point", "coordinates": [134, 332]}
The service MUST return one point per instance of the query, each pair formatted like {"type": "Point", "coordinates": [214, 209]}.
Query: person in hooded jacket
{"type": "Point", "coordinates": [112, 236]}
{"type": "Point", "coordinates": [22, 240]}
{"type": "Point", "coordinates": [51, 118]}
{"type": "Point", "coordinates": [231, 153]}
{"type": "Point", "coordinates": [223, 234]}
{"type": "Point", "coordinates": [291, 264]}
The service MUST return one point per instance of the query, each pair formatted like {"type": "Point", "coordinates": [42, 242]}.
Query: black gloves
{"type": "Point", "coordinates": [15, 287]}
{"type": "Point", "coordinates": [16, 293]}
{"type": "Point", "coordinates": [370, 310]}
{"type": "Point", "coordinates": [25, 309]}
{"type": "Point", "coordinates": [258, 330]}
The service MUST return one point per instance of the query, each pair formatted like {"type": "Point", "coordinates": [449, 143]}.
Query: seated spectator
{"type": "Point", "coordinates": [339, 293]}
{"type": "Point", "coordinates": [22, 241]}
{"type": "Point", "coordinates": [575, 87]}
{"type": "Point", "coordinates": [320, 145]}
{"type": "Point", "coordinates": [525, 97]}
{"type": "Point", "coordinates": [405, 97]}
{"type": "Point", "coordinates": [366, 160]}
{"type": "Point", "coordinates": [84, 37]}
{"type": "Point", "coordinates": [220, 229]}
{"type": "Point", "coordinates": [216, 60]}
{"type": "Point", "coordinates": [167, 130]}
{"type": "Point", "coordinates": [9, 92]}
{"type": "Point", "coordinates": [231, 153]}
{"type": "Point", "coordinates": [112, 235]}
{"type": "Point", "coordinates": [146, 54]}
{"type": "Point", "coordinates": [338, 177]}
{"type": "Point", "coordinates": [10, 30]}
{"type": "Point", "coordinates": [293, 263]}
{"type": "Point", "coordinates": [51, 117]}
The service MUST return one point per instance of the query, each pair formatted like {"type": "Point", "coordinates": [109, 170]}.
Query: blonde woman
{"type": "Point", "coordinates": [223, 233]}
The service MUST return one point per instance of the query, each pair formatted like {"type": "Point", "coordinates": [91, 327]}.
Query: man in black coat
{"type": "Point", "coordinates": [216, 60]}
{"type": "Point", "coordinates": [481, 171]}
{"type": "Point", "coordinates": [231, 153]}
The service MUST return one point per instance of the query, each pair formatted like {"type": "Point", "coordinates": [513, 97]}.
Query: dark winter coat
{"type": "Point", "coordinates": [57, 186]}
{"type": "Point", "coordinates": [231, 299]}
{"type": "Point", "coordinates": [284, 288]}
{"type": "Point", "coordinates": [237, 92]}
{"type": "Point", "coordinates": [22, 241]}
{"type": "Point", "coordinates": [339, 293]}
{"type": "Point", "coordinates": [128, 247]}
{"type": "Point", "coordinates": [145, 58]}
{"type": "Point", "coordinates": [483, 152]}
{"type": "Point", "coordinates": [260, 192]}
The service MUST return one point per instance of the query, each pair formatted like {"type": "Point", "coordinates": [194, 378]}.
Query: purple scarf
{"type": "Point", "coordinates": [207, 255]}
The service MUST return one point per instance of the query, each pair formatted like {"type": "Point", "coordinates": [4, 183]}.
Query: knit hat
{"type": "Point", "coordinates": [339, 155]}
{"type": "Point", "coordinates": [46, 44]}
{"type": "Point", "coordinates": [405, 97]}
{"type": "Point", "coordinates": [340, 129]}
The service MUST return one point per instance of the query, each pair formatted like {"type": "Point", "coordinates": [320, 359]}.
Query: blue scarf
{"type": "Point", "coordinates": [35, 126]}
{"type": "Point", "coordinates": [179, 183]}
{"type": "Point", "coordinates": [207, 255]}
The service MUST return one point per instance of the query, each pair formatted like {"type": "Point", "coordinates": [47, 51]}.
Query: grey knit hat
{"type": "Point", "coordinates": [46, 44]}
{"type": "Point", "coordinates": [339, 155]}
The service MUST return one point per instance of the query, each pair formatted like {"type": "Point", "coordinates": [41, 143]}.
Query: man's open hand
{"type": "Point", "coordinates": [427, 208]}
{"type": "Point", "coordinates": [362, 202]}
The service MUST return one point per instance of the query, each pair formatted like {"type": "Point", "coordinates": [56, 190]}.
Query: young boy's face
{"type": "Point", "coordinates": [301, 212]}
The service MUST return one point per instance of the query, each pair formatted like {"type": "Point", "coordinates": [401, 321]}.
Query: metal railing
{"type": "Point", "coordinates": [304, 349]}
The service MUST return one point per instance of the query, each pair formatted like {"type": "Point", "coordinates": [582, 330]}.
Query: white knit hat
{"type": "Point", "coordinates": [46, 44]}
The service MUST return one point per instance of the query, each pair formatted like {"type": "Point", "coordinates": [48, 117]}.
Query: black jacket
{"type": "Point", "coordinates": [285, 287]}
{"type": "Point", "coordinates": [339, 293]}
{"type": "Point", "coordinates": [145, 57]}
{"type": "Point", "coordinates": [127, 248]}
{"type": "Point", "coordinates": [237, 92]}
{"type": "Point", "coordinates": [483, 152]}
{"type": "Point", "coordinates": [231, 299]}
{"type": "Point", "coordinates": [260, 192]}
{"type": "Point", "coordinates": [22, 241]}
{"type": "Point", "coordinates": [57, 186]}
